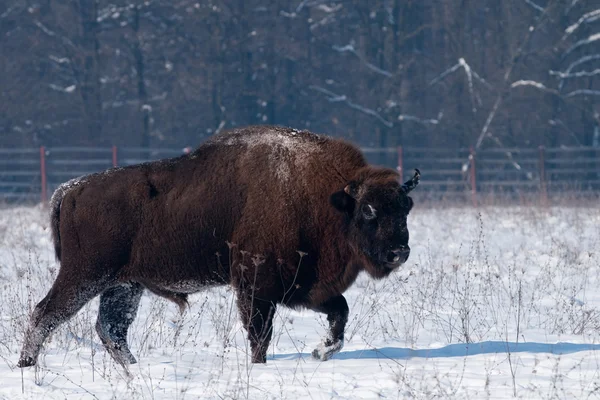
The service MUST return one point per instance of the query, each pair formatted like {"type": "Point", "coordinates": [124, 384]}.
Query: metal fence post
{"type": "Point", "coordinates": [473, 176]}
{"type": "Point", "coordinates": [44, 178]}
{"type": "Point", "coordinates": [114, 156]}
{"type": "Point", "coordinates": [542, 166]}
{"type": "Point", "coordinates": [400, 166]}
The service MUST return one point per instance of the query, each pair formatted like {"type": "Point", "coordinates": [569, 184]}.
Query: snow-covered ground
{"type": "Point", "coordinates": [492, 303]}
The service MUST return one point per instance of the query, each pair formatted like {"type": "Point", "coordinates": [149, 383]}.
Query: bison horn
{"type": "Point", "coordinates": [412, 182]}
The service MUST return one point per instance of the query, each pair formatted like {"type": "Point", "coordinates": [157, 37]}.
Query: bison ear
{"type": "Point", "coordinates": [343, 201]}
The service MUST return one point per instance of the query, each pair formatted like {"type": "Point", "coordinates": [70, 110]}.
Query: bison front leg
{"type": "Point", "coordinates": [257, 316]}
{"type": "Point", "coordinates": [336, 309]}
{"type": "Point", "coordinates": [118, 308]}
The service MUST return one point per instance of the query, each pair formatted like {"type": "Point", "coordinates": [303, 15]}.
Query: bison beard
{"type": "Point", "coordinates": [284, 216]}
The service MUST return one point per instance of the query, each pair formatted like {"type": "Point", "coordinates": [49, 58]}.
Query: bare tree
{"type": "Point", "coordinates": [382, 73]}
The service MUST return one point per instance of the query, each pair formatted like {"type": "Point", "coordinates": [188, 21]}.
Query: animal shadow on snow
{"type": "Point", "coordinates": [453, 350]}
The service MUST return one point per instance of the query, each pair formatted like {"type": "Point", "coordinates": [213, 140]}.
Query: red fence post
{"type": "Point", "coordinates": [400, 166]}
{"type": "Point", "coordinates": [114, 156]}
{"type": "Point", "coordinates": [473, 176]}
{"type": "Point", "coordinates": [542, 166]}
{"type": "Point", "coordinates": [44, 179]}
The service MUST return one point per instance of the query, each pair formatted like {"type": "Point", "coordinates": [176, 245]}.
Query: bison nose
{"type": "Point", "coordinates": [399, 255]}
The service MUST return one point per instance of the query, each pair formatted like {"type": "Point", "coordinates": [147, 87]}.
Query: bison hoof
{"type": "Point", "coordinates": [259, 358]}
{"type": "Point", "coordinates": [26, 362]}
{"type": "Point", "coordinates": [324, 352]}
{"type": "Point", "coordinates": [122, 356]}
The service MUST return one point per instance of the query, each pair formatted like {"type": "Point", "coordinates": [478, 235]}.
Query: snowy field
{"type": "Point", "coordinates": [493, 303]}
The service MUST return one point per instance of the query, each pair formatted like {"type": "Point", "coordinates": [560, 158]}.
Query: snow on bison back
{"type": "Point", "coordinates": [284, 216]}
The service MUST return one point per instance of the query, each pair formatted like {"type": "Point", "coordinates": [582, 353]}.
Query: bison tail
{"type": "Point", "coordinates": [55, 203]}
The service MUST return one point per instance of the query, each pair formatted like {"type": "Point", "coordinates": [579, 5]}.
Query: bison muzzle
{"type": "Point", "coordinates": [286, 217]}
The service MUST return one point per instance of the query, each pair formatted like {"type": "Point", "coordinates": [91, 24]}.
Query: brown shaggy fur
{"type": "Point", "coordinates": [284, 216]}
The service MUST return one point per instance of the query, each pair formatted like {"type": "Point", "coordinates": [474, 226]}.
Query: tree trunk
{"type": "Point", "coordinates": [141, 83]}
{"type": "Point", "coordinates": [89, 80]}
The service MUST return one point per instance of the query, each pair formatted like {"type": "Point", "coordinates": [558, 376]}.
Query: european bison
{"type": "Point", "coordinates": [284, 216]}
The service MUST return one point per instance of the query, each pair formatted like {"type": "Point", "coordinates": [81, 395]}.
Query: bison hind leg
{"type": "Point", "coordinates": [118, 308]}
{"type": "Point", "coordinates": [68, 294]}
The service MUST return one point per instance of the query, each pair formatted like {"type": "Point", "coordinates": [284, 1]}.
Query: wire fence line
{"type": "Point", "coordinates": [31, 174]}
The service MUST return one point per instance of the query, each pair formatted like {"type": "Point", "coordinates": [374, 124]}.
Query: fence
{"type": "Point", "coordinates": [30, 175]}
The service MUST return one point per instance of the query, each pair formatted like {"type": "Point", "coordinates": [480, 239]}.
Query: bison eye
{"type": "Point", "coordinates": [369, 212]}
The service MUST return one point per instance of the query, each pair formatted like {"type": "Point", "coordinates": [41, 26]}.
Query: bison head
{"type": "Point", "coordinates": [376, 207]}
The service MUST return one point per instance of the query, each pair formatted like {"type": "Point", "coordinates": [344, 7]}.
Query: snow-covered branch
{"type": "Point", "coordinates": [570, 7]}
{"type": "Point", "coordinates": [68, 89]}
{"type": "Point", "coordinates": [534, 84]}
{"type": "Point", "coordinates": [321, 4]}
{"type": "Point", "coordinates": [445, 73]}
{"type": "Point", "coordinates": [535, 6]}
{"type": "Point", "coordinates": [220, 127]}
{"type": "Point", "coordinates": [509, 156]}
{"type": "Point", "coordinates": [488, 122]}
{"type": "Point", "coordinates": [112, 12]}
{"type": "Point", "coordinates": [65, 40]}
{"type": "Point", "coordinates": [389, 9]}
{"type": "Point", "coordinates": [558, 122]}
{"type": "Point", "coordinates": [328, 9]}
{"type": "Point", "coordinates": [507, 76]}
{"type": "Point", "coordinates": [470, 74]}
{"type": "Point", "coordinates": [430, 121]}
{"type": "Point", "coordinates": [43, 28]}
{"type": "Point", "coordinates": [9, 10]}
{"type": "Point", "coordinates": [590, 39]}
{"type": "Point", "coordinates": [574, 64]}
{"type": "Point", "coordinates": [582, 60]}
{"type": "Point", "coordinates": [583, 92]}
{"type": "Point", "coordinates": [468, 70]}
{"type": "Point", "coordinates": [324, 21]}
{"type": "Point", "coordinates": [579, 74]}
{"type": "Point", "coordinates": [135, 102]}
{"type": "Point", "coordinates": [63, 67]}
{"type": "Point", "coordinates": [350, 49]}
{"type": "Point", "coordinates": [585, 18]}
{"type": "Point", "coordinates": [59, 60]}
{"type": "Point", "coordinates": [301, 5]}
{"type": "Point", "coordinates": [335, 98]}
